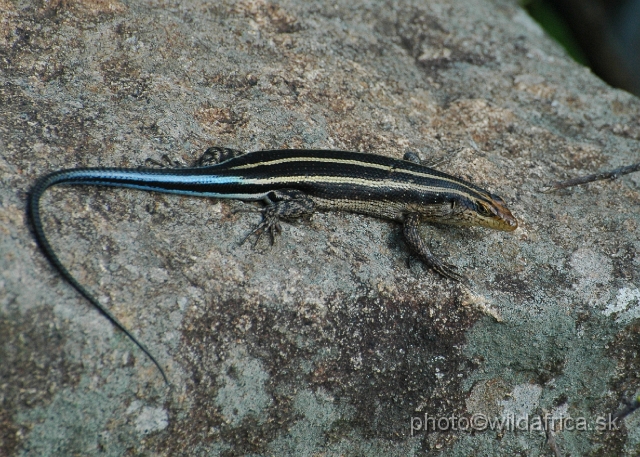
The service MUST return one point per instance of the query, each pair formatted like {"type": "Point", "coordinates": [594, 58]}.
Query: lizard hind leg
{"type": "Point", "coordinates": [270, 223]}
{"type": "Point", "coordinates": [217, 154]}
{"type": "Point", "coordinates": [212, 156]}
{"type": "Point", "coordinates": [281, 204]}
{"type": "Point", "coordinates": [165, 162]}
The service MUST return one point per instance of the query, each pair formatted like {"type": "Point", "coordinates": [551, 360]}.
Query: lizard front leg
{"type": "Point", "coordinates": [417, 244]}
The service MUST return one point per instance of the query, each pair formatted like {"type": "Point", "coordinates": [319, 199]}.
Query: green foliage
{"type": "Point", "coordinates": [543, 12]}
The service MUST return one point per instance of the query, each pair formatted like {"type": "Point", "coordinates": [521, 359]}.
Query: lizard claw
{"type": "Point", "coordinates": [449, 271]}
{"type": "Point", "coordinates": [270, 223]}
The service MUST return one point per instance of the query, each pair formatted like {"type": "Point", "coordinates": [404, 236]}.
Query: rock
{"type": "Point", "coordinates": [326, 343]}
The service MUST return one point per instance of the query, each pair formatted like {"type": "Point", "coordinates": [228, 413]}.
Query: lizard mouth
{"type": "Point", "coordinates": [503, 218]}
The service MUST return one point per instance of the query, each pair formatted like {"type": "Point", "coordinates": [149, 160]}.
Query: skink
{"type": "Point", "coordinates": [294, 183]}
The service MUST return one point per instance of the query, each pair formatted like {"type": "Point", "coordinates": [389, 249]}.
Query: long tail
{"type": "Point", "coordinates": [33, 210]}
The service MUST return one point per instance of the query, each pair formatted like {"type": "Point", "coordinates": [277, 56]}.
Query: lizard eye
{"type": "Point", "coordinates": [483, 210]}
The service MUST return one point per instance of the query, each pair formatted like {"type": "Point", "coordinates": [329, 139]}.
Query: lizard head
{"type": "Point", "coordinates": [489, 211]}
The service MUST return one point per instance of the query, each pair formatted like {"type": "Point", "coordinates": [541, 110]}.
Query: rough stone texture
{"type": "Point", "coordinates": [329, 343]}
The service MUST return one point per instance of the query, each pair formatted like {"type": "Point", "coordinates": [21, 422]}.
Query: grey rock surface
{"type": "Point", "coordinates": [328, 343]}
